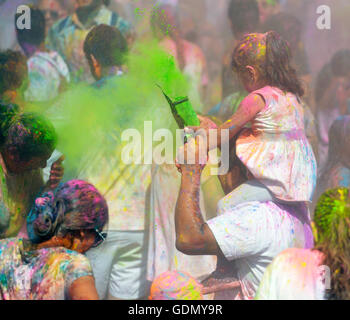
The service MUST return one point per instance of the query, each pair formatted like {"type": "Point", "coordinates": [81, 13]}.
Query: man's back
{"type": "Point", "coordinates": [250, 235]}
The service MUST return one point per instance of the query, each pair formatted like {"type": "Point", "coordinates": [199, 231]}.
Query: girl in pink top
{"type": "Point", "coordinates": [275, 148]}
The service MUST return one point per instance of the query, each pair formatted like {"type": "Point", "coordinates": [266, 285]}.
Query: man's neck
{"type": "Point", "coordinates": [29, 49]}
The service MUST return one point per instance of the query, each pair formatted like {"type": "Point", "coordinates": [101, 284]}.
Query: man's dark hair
{"type": "Point", "coordinates": [234, 160]}
{"type": "Point", "coordinates": [13, 70]}
{"type": "Point", "coordinates": [36, 34]}
{"type": "Point", "coordinates": [107, 45]}
{"type": "Point", "coordinates": [244, 15]}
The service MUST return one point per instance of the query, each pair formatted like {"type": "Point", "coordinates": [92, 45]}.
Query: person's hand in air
{"type": "Point", "coordinates": [206, 124]}
{"type": "Point", "coordinates": [193, 155]}
{"type": "Point", "coordinates": [56, 174]}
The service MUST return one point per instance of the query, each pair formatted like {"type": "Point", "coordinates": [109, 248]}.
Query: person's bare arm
{"type": "Point", "coordinates": [246, 112]}
{"type": "Point", "coordinates": [83, 289]}
{"type": "Point", "coordinates": [193, 236]}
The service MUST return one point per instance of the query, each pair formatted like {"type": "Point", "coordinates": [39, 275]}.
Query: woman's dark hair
{"type": "Point", "coordinates": [28, 134]}
{"type": "Point", "coordinates": [340, 63]}
{"type": "Point", "coordinates": [339, 66]}
{"type": "Point", "coordinates": [74, 205]}
{"type": "Point", "coordinates": [13, 70]}
{"type": "Point", "coordinates": [332, 220]}
{"type": "Point", "coordinates": [244, 15]}
{"type": "Point", "coordinates": [272, 55]}
{"type": "Point", "coordinates": [323, 81]}
{"type": "Point", "coordinates": [107, 45]}
{"type": "Point", "coordinates": [36, 34]}
{"type": "Point", "coordinates": [339, 140]}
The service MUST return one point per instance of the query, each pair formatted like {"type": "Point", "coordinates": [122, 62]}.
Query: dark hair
{"type": "Point", "coordinates": [332, 219]}
{"type": "Point", "coordinates": [340, 63]}
{"type": "Point", "coordinates": [288, 26]}
{"type": "Point", "coordinates": [323, 81]}
{"type": "Point", "coordinates": [74, 205]}
{"type": "Point", "coordinates": [36, 34]}
{"type": "Point", "coordinates": [339, 66]}
{"type": "Point", "coordinates": [29, 134]}
{"type": "Point", "coordinates": [272, 55]}
{"type": "Point", "coordinates": [279, 71]}
{"type": "Point", "coordinates": [234, 160]}
{"type": "Point", "coordinates": [244, 15]}
{"type": "Point", "coordinates": [339, 134]}
{"type": "Point", "coordinates": [107, 45]}
{"type": "Point", "coordinates": [13, 70]}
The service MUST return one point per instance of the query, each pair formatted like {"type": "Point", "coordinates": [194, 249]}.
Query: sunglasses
{"type": "Point", "coordinates": [99, 238]}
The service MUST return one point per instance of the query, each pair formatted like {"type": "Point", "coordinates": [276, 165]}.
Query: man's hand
{"type": "Point", "coordinates": [206, 124]}
{"type": "Point", "coordinates": [193, 156]}
{"type": "Point", "coordinates": [56, 174]}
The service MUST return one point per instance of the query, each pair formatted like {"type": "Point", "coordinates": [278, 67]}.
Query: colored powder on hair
{"type": "Point", "coordinates": [333, 208]}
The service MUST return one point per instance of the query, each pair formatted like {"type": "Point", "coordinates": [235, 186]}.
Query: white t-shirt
{"type": "Point", "coordinates": [250, 235]}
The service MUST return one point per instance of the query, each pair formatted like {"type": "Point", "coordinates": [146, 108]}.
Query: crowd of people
{"type": "Point", "coordinates": [276, 225]}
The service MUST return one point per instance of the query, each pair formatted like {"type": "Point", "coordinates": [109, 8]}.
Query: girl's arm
{"type": "Point", "coordinates": [246, 112]}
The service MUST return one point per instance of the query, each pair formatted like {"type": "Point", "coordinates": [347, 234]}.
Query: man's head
{"type": "Point", "coordinates": [52, 10]}
{"type": "Point", "coordinates": [104, 47]}
{"type": "Point", "coordinates": [34, 36]}
{"type": "Point", "coordinates": [288, 26]}
{"type": "Point", "coordinates": [244, 16]}
{"type": "Point", "coordinates": [267, 8]}
{"type": "Point", "coordinates": [13, 73]}
{"type": "Point", "coordinates": [237, 172]}
{"type": "Point", "coordinates": [88, 3]}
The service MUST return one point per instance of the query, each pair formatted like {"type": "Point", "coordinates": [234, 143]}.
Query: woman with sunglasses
{"type": "Point", "coordinates": [50, 265]}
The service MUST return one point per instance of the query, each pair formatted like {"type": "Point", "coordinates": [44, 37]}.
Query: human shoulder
{"type": "Point", "coordinates": [114, 19]}
{"type": "Point", "coordinates": [60, 25]}
{"type": "Point", "coordinates": [69, 262]}
{"type": "Point", "coordinates": [228, 205]}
